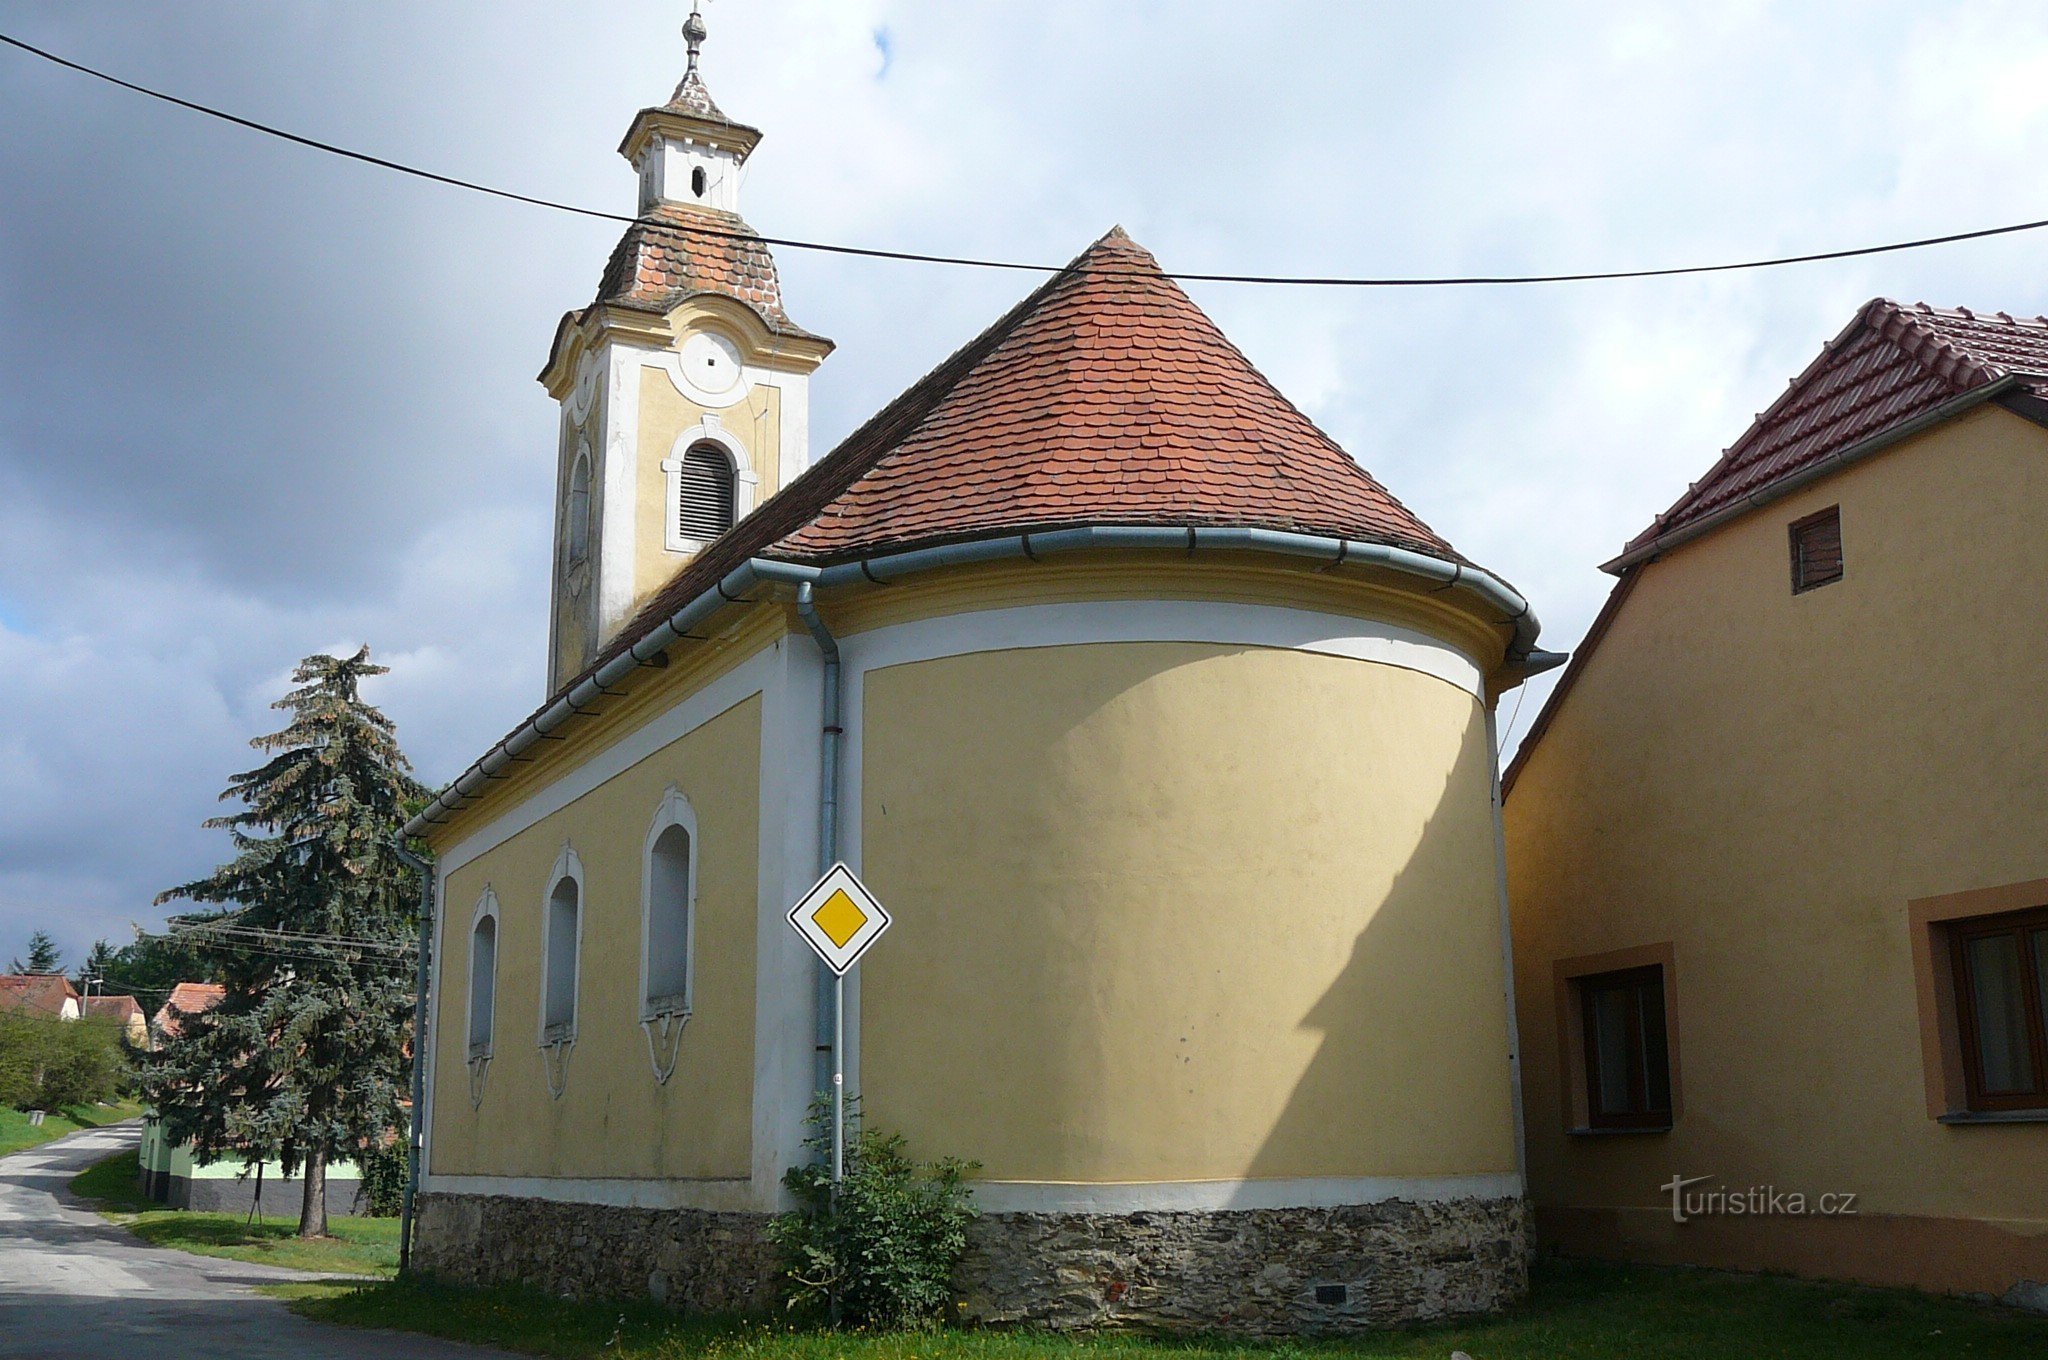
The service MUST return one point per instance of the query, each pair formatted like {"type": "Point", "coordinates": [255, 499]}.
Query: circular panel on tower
{"type": "Point", "coordinates": [711, 363]}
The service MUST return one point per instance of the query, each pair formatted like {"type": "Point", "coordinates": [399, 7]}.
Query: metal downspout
{"type": "Point", "coordinates": [831, 734]}
{"type": "Point", "coordinates": [415, 1137]}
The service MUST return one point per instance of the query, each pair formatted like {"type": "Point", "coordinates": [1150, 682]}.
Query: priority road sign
{"type": "Point", "coordinates": [839, 918]}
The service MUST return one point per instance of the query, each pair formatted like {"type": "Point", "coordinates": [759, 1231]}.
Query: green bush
{"type": "Point", "coordinates": [382, 1193]}
{"type": "Point", "coordinates": [48, 1064]}
{"type": "Point", "coordinates": [890, 1244]}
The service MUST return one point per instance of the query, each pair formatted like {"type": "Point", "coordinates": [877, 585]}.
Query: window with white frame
{"type": "Point", "coordinates": [564, 930]}
{"type": "Point", "coordinates": [706, 492]}
{"type": "Point", "coordinates": [483, 976]}
{"type": "Point", "coordinates": [669, 920]}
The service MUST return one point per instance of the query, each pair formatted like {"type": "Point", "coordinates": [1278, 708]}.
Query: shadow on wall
{"type": "Point", "coordinates": [1411, 1077]}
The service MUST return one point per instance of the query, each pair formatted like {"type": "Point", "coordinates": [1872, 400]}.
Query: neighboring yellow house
{"type": "Point", "coordinates": [1164, 732]}
{"type": "Point", "coordinates": [1776, 845]}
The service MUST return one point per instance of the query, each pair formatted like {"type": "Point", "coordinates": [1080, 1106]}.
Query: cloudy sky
{"type": "Point", "coordinates": [257, 402]}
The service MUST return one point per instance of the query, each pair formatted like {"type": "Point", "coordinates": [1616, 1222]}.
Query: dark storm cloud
{"type": "Point", "coordinates": [256, 402]}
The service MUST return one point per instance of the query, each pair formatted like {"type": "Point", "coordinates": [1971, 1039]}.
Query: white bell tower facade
{"type": "Point", "coordinates": [684, 387]}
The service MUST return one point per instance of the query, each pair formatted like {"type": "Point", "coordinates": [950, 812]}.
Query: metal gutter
{"type": "Point", "coordinates": [416, 1134]}
{"type": "Point", "coordinates": [1486, 589]}
{"type": "Point", "coordinates": [1806, 476]}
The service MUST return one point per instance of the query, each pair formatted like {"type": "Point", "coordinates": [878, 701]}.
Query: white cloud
{"type": "Point", "coordinates": [255, 402]}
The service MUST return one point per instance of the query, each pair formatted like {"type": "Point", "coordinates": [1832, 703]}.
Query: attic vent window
{"type": "Point", "coordinates": [1817, 549]}
{"type": "Point", "coordinates": [704, 505]}
{"type": "Point", "coordinates": [697, 181]}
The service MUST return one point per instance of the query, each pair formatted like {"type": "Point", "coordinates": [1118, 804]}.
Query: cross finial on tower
{"type": "Point", "coordinates": [694, 33]}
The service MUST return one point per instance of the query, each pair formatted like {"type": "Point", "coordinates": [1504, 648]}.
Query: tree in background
{"type": "Point", "coordinates": [51, 1064]}
{"type": "Point", "coordinates": [304, 1059]}
{"type": "Point", "coordinates": [149, 966]}
{"type": "Point", "coordinates": [43, 955]}
{"type": "Point", "coordinates": [92, 974]}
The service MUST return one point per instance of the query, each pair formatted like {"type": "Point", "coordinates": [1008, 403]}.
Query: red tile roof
{"type": "Point", "coordinates": [673, 253]}
{"type": "Point", "coordinates": [1105, 397]}
{"type": "Point", "coordinates": [121, 1008]}
{"type": "Point", "coordinates": [187, 998]}
{"type": "Point", "coordinates": [694, 99]}
{"type": "Point", "coordinates": [1892, 364]}
{"type": "Point", "coordinates": [36, 993]}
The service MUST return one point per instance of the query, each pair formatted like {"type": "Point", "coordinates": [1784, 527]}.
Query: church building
{"type": "Point", "coordinates": [1164, 732]}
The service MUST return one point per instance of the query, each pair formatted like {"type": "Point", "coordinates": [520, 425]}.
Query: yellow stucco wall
{"type": "Point", "coordinates": [754, 421]}
{"type": "Point", "coordinates": [1765, 780]}
{"type": "Point", "coordinates": [1179, 911]}
{"type": "Point", "coordinates": [614, 1120]}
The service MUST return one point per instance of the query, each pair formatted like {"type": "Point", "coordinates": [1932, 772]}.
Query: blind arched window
{"type": "Point", "coordinates": [577, 513]}
{"type": "Point", "coordinates": [558, 995]}
{"type": "Point", "coordinates": [668, 923]}
{"type": "Point", "coordinates": [483, 983]}
{"type": "Point", "coordinates": [704, 505]}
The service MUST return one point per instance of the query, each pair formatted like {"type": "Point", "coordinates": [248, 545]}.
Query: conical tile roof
{"type": "Point", "coordinates": [1106, 397]}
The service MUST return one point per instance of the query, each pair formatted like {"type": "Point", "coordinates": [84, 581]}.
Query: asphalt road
{"type": "Point", "coordinates": [73, 1284]}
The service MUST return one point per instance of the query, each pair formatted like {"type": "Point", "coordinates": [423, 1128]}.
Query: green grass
{"type": "Point", "coordinates": [1579, 1311]}
{"type": "Point", "coordinates": [16, 1133]}
{"type": "Point", "coordinates": [358, 1246]}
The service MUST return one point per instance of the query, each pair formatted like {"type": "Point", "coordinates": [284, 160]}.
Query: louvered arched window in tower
{"type": "Point", "coordinates": [705, 499]}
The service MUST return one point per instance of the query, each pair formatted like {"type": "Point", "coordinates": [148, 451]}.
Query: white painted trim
{"type": "Point", "coordinates": [664, 729]}
{"type": "Point", "coordinates": [1507, 945]}
{"type": "Point", "coordinates": [712, 1194]}
{"type": "Point", "coordinates": [568, 865]}
{"type": "Point", "coordinates": [674, 811]}
{"type": "Point", "coordinates": [1042, 1197]}
{"type": "Point", "coordinates": [617, 521]}
{"type": "Point", "coordinates": [791, 719]}
{"type": "Point", "coordinates": [1306, 1192]}
{"type": "Point", "coordinates": [746, 483]}
{"type": "Point", "coordinates": [486, 906]}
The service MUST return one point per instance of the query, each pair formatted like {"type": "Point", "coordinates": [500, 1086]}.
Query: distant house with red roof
{"type": "Point", "coordinates": [186, 999]}
{"type": "Point", "coordinates": [1775, 843]}
{"type": "Point", "coordinates": [44, 994]}
{"type": "Point", "coordinates": [123, 1012]}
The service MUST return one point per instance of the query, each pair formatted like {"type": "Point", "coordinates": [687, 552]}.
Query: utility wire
{"type": "Point", "coordinates": [918, 257]}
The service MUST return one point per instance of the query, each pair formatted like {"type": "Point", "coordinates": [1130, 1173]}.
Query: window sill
{"type": "Point", "coordinates": [1589, 1132]}
{"type": "Point", "coordinates": [1994, 1117]}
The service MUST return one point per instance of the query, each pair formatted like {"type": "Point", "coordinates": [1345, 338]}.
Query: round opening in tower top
{"type": "Point", "coordinates": [711, 363]}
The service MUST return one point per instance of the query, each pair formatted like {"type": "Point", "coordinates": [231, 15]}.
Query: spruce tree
{"type": "Point", "coordinates": [99, 961]}
{"type": "Point", "coordinates": [303, 1060]}
{"type": "Point", "coordinates": [43, 955]}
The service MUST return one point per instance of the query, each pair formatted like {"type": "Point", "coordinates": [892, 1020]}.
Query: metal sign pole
{"type": "Point", "coordinates": [838, 1122]}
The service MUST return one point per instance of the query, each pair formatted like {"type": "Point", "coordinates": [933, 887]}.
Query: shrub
{"type": "Point", "coordinates": [382, 1191]}
{"type": "Point", "coordinates": [49, 1064]}
{"type": "Point", "coordinates": [890, 1244]}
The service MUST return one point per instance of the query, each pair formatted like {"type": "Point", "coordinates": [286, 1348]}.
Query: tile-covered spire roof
{"type": "Point", "coordinates": [693, 98]}
{"type": "Point", "coordinates": [675, 252]}
{"type": "Point", "coordinates": [1106, 397]}
{"type": "Point", "coordinates": [1892, 364]}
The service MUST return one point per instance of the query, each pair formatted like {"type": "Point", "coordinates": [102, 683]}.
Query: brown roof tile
{"type": "Point", "coordinates": [673, 253]}
{"type": "Point", "coordinates": [1104, 397]}
{"type": "Point", "coordinates": [36, 993]}
{"type": "Point", "coordinates": [187, 998]}
{"type": "Point", "coordinates": [1893, 363]}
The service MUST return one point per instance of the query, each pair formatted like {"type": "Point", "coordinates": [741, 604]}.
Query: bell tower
{"type": "Point", "coordinates": [684, 386]}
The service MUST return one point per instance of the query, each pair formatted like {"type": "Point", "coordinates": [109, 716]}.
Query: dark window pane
{"type": "Point", "coordinates": [1611, 1024]}
{"type": "Point", "coordinates": [1999, 1000]}
{"type": "Point", "coordinates": [1656, 1051]}
{"type": "Point", "coordinates": [1817, 550]}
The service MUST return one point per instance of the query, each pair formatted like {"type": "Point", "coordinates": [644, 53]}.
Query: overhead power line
{"type": "Point", "coordinates": [919, 257]}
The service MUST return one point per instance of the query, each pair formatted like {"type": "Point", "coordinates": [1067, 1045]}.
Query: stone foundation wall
{"type": "Point", "coordinates": [1272, 1271]}
{"type": "Point", "coordinates": [689, 1258]}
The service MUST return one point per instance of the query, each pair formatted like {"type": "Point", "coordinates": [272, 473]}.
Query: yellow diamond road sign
{"type": "Point", "coordinates": [840, 918]}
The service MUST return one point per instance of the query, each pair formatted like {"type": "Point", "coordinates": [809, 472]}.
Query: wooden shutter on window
{"type": "Point", "coordinates": [1817, 549]}
{"type": "Point", "coordinates": [705, 508]}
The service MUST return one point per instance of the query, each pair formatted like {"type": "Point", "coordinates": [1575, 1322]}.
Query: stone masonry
{"type": "Point", "coordinates": [1266, 1271]}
